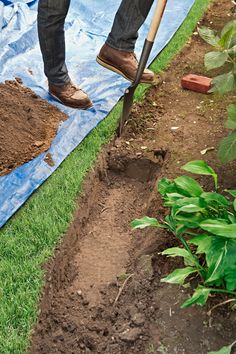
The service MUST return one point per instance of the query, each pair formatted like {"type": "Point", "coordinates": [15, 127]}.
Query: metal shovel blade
{"type": "Point", "coordinates": [129, 93]}
{"type": "Point", "coordinates": [127, 106]}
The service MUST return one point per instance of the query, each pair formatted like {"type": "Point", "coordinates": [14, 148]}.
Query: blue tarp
{"type": "Point", "coordinates": [87, 25]}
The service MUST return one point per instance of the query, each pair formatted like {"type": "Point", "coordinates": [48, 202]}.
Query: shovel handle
{"type": "Point", "coordinates": [155, 23]}
{"type": "Point", "coordinates": [156, 20]}
{"type": "Point", "coordinates": [128, 98]}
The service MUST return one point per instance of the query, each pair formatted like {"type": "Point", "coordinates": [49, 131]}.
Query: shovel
{"type": "Point", "coordinates": [129, 93]}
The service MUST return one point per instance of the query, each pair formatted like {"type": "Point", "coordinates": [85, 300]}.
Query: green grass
{"type": "Point", "coordinates": [30, 237]}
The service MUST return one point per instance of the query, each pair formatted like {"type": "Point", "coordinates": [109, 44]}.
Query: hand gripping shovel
{"type": "Point", "coordinates": [129, 93]}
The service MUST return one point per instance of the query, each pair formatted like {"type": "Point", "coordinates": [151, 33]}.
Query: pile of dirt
{"type": "Point", "coordinates": [103, 292]}
{"type": "Point", "coordinates": [28, 125]}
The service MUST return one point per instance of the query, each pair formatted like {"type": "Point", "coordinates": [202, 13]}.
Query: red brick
{"type": "Point", "coordinates": [196, 83]}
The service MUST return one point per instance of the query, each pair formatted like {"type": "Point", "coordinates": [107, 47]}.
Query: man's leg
{"type": "Point", "coordinates": [51, 20]}
{"type": "Point", "coordinates": [128, 20]}
{"type": "Point", "coordinates": [117, 54]}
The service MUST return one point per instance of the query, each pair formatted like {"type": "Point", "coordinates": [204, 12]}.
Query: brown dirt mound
{"type": "Point", "coordinates": [27, 125]}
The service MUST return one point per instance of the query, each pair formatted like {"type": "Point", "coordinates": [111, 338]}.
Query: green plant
{"type": "Point", "coordinates": [224, 53]}
{"type": "Point", "coordinates": [205, 224]}
{"type": "Point", "coordinates": [227, 149]}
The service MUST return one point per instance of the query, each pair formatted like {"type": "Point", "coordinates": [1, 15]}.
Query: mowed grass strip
{"type": "Point", "coordinates": [30, 237]}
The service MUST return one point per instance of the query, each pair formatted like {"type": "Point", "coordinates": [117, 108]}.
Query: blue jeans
{"type": "Point", "coordinates": [51, 18]}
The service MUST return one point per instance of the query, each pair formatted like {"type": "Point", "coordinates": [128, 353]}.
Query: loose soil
{"type": "Point", "coordinates": [103, 292]}
{"type": "Point", "coordinates": [28, 125]}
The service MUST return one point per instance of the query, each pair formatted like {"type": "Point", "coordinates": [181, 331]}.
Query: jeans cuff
{"type": "Point", "coordinates": [60, 82]}
{"type": "Point", "coordinates": [125, 47]}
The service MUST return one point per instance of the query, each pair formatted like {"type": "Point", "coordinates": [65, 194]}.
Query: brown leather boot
{"type": "Point", "coordinates": [123, 63]}
{"type": "Point", "coordinates": [70, 95]}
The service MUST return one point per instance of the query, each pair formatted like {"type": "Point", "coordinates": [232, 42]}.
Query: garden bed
{"type": "Point", "coordinates": [28, 125]}
{"type": "Point", "coordinates": [84, 308]}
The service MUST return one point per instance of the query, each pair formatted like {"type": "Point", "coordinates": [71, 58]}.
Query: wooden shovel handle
{"type": "Point", "coordinates": [156, 20]}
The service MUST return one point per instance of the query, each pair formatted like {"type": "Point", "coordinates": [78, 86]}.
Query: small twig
{"type": "Point", "coordinates": [121, 289]}
{"type": "Point", "coordinates": [104, 209]}
{"type": "Point", "coordinates": [221, 304]}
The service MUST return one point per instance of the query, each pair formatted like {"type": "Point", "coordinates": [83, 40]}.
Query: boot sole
{"type": "Point", "coordinates": [119, 72]}
{"type": "Point", "coordinates": [71, 106]}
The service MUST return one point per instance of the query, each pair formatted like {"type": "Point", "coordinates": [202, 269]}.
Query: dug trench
{"type": "Point", "coordinates": [81, 311]}
{"type": "Point", "coordinates": [102, 289]}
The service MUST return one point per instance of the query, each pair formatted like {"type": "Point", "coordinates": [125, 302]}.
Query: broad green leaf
{"type": "Point", "coordinates": [190, 200]}
{"type": "Point", "coordinates": [227, 149]}
{"type": "Point", "coordinates": [221, 261]}
{"type": "Point", "coordinates": [232, 218]}
{"type": "Point", "coordinates": [178, 276]}
{"type": "Point", "coordinates": [228, 35]}
{"type": "Point", "coordinates": [232, 192]}
{"type": "Point", "coordinates": [199, 167]}
{"type": "Point", "coordinates": [203, 243]}
{"type": "Point", "coordinates": [215, 60]}
{"type": "Point", "coordinates": [232, 52]}
{"type": "Point", "coordinates": [199, 297]}
{"type": "Point", "coordinates": [179, 252]}
{"type": "Point", "coordinates": [189, 186]}
{"type": "Point", "coordinates": [228, 40]}
{"type": "Point", "coordinates": [171, 198]}
{"type": "Point", "coordinates": [190, 221]}
{"type": "Point", "coordinates": [144, 222]}
{"type": "Point", "coordinates": [175, 196]}
{"type": "Point", "coordinates": [224, 83]}
{"type": "Point", "coordinates": [235, 204]}
{"type": "Point", "coordinates": [189, 205]}
{"type": "Point", "coordinates": [202, 168]}
{"type": "Point", "coordinates": [209, 36]}
{"type": "Point", "coordinates": [190, 208]}
{"type": "Point", "coordinates": [232, 111]}
{"type": "Point", "coordinates": [215, 197]}
{"type": "Point", "coordinates": [219, 228]}
{"type": "Point", "coordinates": [175, 251]}
{"type": "Point", "coordinates": [231, 122]}
{"type": "Point", "coordinates": [163, 185]}
{"type": "Point", "coordinates": [230, 280]}
{"type": "Point", "coordinates": [229, 25]}
{"type": "Point", "coordinates": [223, 350]}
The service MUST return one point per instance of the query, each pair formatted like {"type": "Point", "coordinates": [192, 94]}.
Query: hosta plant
{"type": "Point", "coordinates": [227, 150]}
{"type": "Point", "coordinates": [223, 55]}
{"type": "Point", "coordinates": [205, 224]}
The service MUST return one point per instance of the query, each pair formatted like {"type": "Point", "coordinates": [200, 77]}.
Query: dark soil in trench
{"type": "Point", "coordinates": [28, 125]}
{"type": "Point", "coordinates": [103, 292]}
